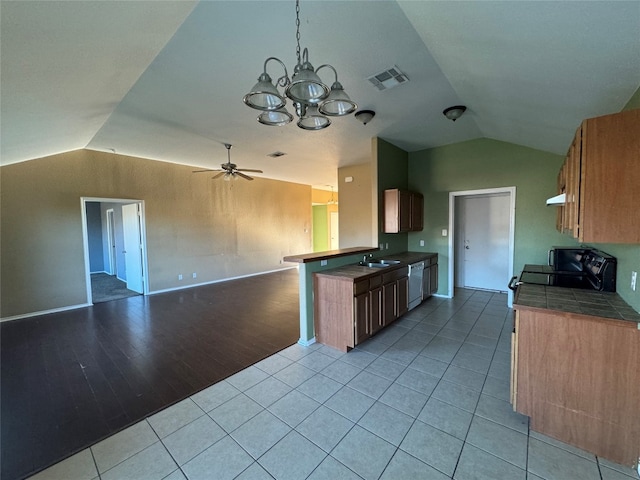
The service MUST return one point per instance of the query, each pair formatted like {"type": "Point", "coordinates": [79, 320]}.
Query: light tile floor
{"type": "Point", "coordinates": [426, 398]}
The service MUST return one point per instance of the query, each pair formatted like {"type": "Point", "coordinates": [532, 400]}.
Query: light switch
{"type": "Point", "coordinates": [422, 243]}
{"type": "Point", "coordinates": [444, 232]}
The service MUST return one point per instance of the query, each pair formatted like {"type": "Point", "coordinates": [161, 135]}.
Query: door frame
{"type": "Point", "coordinates": [85, 240]}
{"type": "Point", "coordinates": [113, 265]}
{"type": "Point", "coordinates": [452, 233]}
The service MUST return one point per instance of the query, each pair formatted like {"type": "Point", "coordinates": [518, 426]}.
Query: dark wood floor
{"type": "Point", "coordinates": [71, 379]}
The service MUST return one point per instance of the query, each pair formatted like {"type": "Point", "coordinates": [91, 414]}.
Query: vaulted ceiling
{"type": "Point", "coordinates": [164, 80]}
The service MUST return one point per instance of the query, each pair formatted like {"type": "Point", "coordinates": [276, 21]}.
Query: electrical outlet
{"type": "Point", "coordinates": [634, 277]}
{"type": "Point", "coordinates": [179, 276]}
{"type": "Point", "coordinates": [422, 243]}
{"type": "Point", "coordinates": [323, 263]}
{"type": "Point", "coordinates": [194, 274]}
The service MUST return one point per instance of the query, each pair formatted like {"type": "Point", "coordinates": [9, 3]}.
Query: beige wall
{"type": "Point", "coordinates": [215, 228]}
{"type": "Point", "coordinates": [323, 196]}
{"type": "Point", "coordinates": [357, 228]}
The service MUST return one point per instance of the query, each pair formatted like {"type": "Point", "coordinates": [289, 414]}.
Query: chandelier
{"type": "Point", "coordinates": [312, 99]}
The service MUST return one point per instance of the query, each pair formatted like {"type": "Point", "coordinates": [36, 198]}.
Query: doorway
{"type": "Point", "coordinates": [334, 243]}
{"type": "Point", "coordinates": [115, 248]}
{"type": "Point", "coordinates": [481, 240]}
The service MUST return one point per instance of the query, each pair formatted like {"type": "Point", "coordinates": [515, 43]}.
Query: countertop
{"type": "Point", "coordinates": [574, 300]}
{"type": "Point", "coordinates": [317, 256]}
{"type": "Point", "coordinates": [355, 271]}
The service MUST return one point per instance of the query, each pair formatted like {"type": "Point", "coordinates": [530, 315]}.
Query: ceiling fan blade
{"type": "Point", "coordinates": [219, 175]}
{"type": "Point", "coordinates": [248, 170]}
{"type": "Point", "coordinates": [202, 171]}
{"type": "Point", "coordinates": [247, 177]}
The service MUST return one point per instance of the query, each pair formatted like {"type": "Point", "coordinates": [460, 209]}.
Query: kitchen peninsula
{"type": "Point", "coordinates": [386, 287]}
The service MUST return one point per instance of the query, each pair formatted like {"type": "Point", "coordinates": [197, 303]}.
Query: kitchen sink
{"type": "Point", "coordinates": [379, 263]}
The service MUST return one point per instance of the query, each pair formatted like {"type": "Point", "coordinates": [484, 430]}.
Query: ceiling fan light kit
{"type": "Point", "coordinates": [455, 112]}
{"type": "Point", "coordinates": [312, 99]}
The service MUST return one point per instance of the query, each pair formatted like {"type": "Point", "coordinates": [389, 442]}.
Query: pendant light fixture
{"type": "Point", "coordinates": [312, 99]}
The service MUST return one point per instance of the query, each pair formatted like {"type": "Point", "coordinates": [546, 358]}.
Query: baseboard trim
{"type": "Point", "coordinates": [45, 312]}
{"type": "Point", "coordinates": [307, 343]}
{"type": "Point", "coordinates": [202, 284]}
{"type": "Point", "coordinates": [84, 305]}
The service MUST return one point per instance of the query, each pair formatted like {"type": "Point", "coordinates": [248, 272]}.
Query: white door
{"type": "Point", "coordinates": [132, 246]}
{"type": "Point", "coordinates": [333, 231]}
{"type": "Point", "coordinates": [483, 241]}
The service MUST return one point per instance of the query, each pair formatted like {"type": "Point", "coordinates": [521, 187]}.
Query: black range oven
{"type": "Point", "coordinates": [572, 267]}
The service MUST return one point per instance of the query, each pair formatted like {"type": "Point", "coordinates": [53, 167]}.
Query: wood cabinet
{"type": "Point", "coordinates": [600, 179]}
{"type": "Point", "coordinates": [578, 378]}
{"type": "Point", "coordinates": [395, 295]}
{"type": "Point", "coordinates": [349, 310]}
{"type": "Point", "coordinates": [430, 277]}
{"type": "Point", "coordinates": [403, 211]}
{"type": "Point", "coordinates": [376, 320]}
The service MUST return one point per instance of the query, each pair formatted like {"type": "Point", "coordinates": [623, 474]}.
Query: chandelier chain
{"type": "Point", "coordinates": [298, 30]}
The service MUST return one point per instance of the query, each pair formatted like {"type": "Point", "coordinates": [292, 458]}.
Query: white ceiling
{"type": "Point", "coordinates": [165, 79]}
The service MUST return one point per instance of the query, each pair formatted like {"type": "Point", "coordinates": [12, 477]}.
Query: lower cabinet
{"type": "Point", "coordinates": [430, 277]}
{"type": "Point", "coordinates": [347, 311]}
{"type": "Point", "coordinates": [577, 377]}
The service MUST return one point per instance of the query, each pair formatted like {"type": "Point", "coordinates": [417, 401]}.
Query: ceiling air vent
{"type": "Point", "coordinates": [388, 79]}
{"type": "Point", "coordinates": [276, 154]}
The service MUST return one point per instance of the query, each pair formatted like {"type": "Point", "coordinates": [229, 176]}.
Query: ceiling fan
{"type": "Point", "coordinates": [230, 170]}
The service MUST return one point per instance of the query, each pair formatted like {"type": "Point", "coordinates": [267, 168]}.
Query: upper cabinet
{"type": "Point", "coordinates": [601, 181]}
{"type": "Point", "coordinates": [403, 211]}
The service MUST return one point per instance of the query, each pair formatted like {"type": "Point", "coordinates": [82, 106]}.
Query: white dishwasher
{"type": "Point", "coordinates": [416, 270]}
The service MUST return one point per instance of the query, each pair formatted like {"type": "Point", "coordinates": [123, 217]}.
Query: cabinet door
{"type": "Point", "coordinates": [561, 213]}
{"type": "Point", "coordinates": [404, 211]}
{"type": "Point", "coordinates": [389, 302]}
{"type": "Point", "coordinates": [417, 208]}
{"type": "Point", "coordinates": [361, 317]}
{"type": "Point", "coordinates": [571, 207]}
{"type": "Point", "coordinates": [426, 282]}
{"type": "Point", "coordinates": [433, 278]}
{"type": "Point", "coordinates": [513, 386]}
{"type": "Point", "coordinates": [609, 193]}
{"type": "Point", "coordinates": [375, 310]}
{"type": "Point", "coordinates": [402, 296]}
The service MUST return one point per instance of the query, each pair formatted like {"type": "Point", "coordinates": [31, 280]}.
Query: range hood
{"type": "Point", "coordinates": [557, 200]}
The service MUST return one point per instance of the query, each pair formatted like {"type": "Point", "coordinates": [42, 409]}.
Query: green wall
{"type": "Point", "coordinates": [320, 228]}
{"type": "Point", "coordinates": [480, 164]}
{"type": "Point", "coordinates": [393, 172]}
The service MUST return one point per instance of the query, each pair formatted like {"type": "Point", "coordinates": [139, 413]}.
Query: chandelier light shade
{"type": "Point", "coordinates": [310, 119]}
{"type": "Point", "coordinates": [264, 95]}
{"type": "Point", "coordinates": [312, 99]}
{"type": "Point", "coordinates": [455, 112]}
{"type": "Point", "coordinates": [276, 118]}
